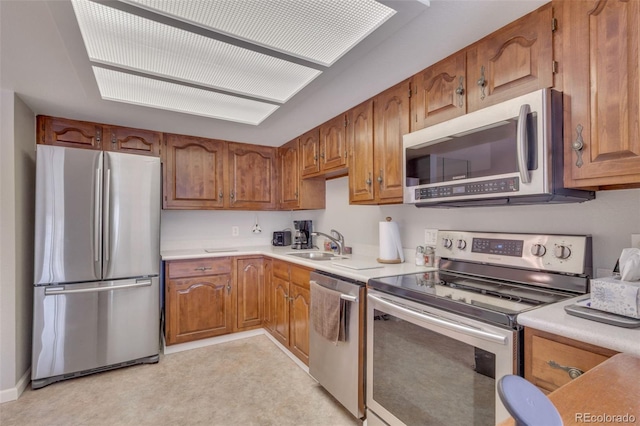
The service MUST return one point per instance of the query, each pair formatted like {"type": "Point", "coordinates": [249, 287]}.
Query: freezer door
{"type": "Point", "coordinates": [68, 238]}
{"type": "Point", "coordinates": [131, 219]}
{"type": "Point", "coordinates": [79, 327]}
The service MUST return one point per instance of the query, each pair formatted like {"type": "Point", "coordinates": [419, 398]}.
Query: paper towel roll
{"type": "Point", "coordinates": [390, 244]}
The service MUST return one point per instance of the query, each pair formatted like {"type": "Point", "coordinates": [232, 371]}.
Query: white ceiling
{"type": "Point", "coordinates": [43, 59]}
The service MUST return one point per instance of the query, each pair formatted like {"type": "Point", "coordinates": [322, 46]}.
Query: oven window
{"type": "Point", "coordinates": [422, 377]}
{"type": "Point", "coordinates": [485, 152]}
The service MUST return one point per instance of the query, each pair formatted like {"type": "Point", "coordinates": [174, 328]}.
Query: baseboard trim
{"type": "Point", "coordinates": [13, 394]}
{"type": "Point", "coordinates": [167, 350]}
{"type": "Point", "coordinates": [287, 352]}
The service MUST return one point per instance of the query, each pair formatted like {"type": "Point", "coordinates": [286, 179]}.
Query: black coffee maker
{"type": "Point", "coordinates": [302, 238]}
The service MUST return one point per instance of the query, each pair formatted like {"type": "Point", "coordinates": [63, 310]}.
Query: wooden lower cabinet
{"type": "Point", "coordinates": [288, 297]}
{"type": "Point", "coordinates": [198, 299]}
{"type": "Point", "coordinates": [552, 361]}
{"type": "Point", "coordinates": [249, 293]}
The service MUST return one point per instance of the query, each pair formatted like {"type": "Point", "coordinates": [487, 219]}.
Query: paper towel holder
{"type": "Point", "coordinates": [388, 261]}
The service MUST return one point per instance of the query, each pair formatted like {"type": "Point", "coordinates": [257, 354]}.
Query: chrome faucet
{"type": "Point", "coordinates": [335, 236]}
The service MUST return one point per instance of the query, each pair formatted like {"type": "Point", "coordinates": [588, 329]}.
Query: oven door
{"type": "Point", "coordinates": [427, 366]}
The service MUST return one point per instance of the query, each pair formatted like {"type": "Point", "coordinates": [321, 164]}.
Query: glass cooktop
{"type": "Point", "coordinates": [494, 301]}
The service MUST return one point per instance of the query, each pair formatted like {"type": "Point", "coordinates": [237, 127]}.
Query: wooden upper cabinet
{"type": "Point", "coordinates": [512, 61]}
{"type": "Point", "coordinates": [600, 62]}
{"type": "Point", "coordinates": [132, 141]}
{"type": "Point", "coordinates": [391, 109]}
{"type": "Point", "coordinates": [361, 147]}
{"type": "Point", "coordinates": [296, 193]}
{"type": "Point", "coordinates": [69, 133]}
{"type": "Point", "coordinates": [439, 92]}
{"type": "Point", "coordinates": [252, 177]}
{"type": "Point", "coordinates": [310, 152]}
{"type": "Point", "coordinates": [193, 173]}
{"type": "Point", "coordinates": [333, 144]}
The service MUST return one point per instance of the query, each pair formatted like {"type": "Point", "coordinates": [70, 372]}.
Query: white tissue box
{"type": "Point", "coordinates": [613, 295]}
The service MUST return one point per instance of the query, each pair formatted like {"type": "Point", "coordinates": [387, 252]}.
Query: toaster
{"type": "Point", "coordinates": [281, 238]}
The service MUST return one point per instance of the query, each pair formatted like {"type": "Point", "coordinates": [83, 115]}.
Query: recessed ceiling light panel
{"type": "Point", "coordinates": [128, 41]}
{"type": "Point", "coordinates": [318, 31]}
{"type": "Point", "coordinates": [134, 89]}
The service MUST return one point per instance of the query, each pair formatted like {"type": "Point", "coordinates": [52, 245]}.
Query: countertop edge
{"type": "Point", "coordinates": [554, 319]}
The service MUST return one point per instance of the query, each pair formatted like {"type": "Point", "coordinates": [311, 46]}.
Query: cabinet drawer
{"type": "Point", "coordinates": [198, 267]}
{"type": "Point", "coordinates": [300, 276]}
{"type": "Point", "coordinates": [546, 352]}
{"type": "Point", "coordinates": [281, 269]}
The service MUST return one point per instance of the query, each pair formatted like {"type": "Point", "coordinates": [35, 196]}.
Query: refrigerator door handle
{"type": "Point", "coordinates": [97, 235]}
{"type": "Point", "coordinates": [107, 216]}
{"type": "Point", "coordinates": [59, 290]}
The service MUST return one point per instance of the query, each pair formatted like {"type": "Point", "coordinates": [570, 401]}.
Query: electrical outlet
{"type": "Point", "coordinates": [635, 240]}
{"type": "Point", "coordinates": [235, 231]}
{"type": "Point", "coordinates": [431, 237]}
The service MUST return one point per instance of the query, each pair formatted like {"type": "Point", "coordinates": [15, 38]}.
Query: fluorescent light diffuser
{"type": "Point", "coordinates": [131, 42]}
{"type": "Point", "coordinates": [318, 31]}
{"type": "Point", "coordinates": [137, 90]}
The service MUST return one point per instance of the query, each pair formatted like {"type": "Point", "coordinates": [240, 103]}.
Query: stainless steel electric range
{"type": "Point", "coordinates": [437, 342]}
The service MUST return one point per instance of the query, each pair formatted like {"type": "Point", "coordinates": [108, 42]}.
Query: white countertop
{"type": "Point", "coordinates": [373, 268]}
{"type": "Point", "coordinates": [554, 319]}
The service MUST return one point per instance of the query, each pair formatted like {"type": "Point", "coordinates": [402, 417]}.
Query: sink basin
{"type": "Point", "coordinates": [316, 255]}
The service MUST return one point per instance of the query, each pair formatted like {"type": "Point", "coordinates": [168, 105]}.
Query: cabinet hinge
{"type": "Point", "coordinates": [409, 92]}
{"type": "Point", "coordinates": [554, 25]}
{"type": "Point", "coordinates": [554, 67]}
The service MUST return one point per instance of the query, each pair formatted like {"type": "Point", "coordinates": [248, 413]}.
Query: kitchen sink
{"type": "Point", "coordinates": [317, 255]}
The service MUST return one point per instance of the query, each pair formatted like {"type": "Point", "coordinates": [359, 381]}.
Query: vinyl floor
{"type": "Point", "coordinates": [243, 382]}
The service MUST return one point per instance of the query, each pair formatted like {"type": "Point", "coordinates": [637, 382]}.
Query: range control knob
{"type": "Point", "coordinates": [462, 244]}
{"type": "Point", "coordinates": [538, 250]}
{"type": "Point", "coordinates": [562, 252]}
{"type": "Point", "coordinates": [447, 243]}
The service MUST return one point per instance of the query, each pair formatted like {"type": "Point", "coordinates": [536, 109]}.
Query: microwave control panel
{"type": "Point", "coordinates": [493, 186]}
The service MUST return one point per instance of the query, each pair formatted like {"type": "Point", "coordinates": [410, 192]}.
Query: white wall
{"type": "Point", "coordinates": [17, 195]}
{"type": "Point", "coordinates": [610, 219]}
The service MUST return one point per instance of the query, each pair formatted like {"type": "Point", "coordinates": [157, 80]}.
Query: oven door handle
{"type": "Point", "coordinates": [442, 322]}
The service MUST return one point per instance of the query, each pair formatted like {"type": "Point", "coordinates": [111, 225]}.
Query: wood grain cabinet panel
{"type": "Point", "coordinates": [361, 153]}
{"type": "Point", "coordinates": [249, 295]}
{"type": "Point", "coordinates": [439, 92]}
{"type": "Point", "coordinates": [132, 141]}
{"type": "Point", "coordinates": [391, 109]}
{"type": "Point", "coordinates": [69, 133]}
{"type": "Point", "coordinates": [601, 78]}
{"type": "Point", "coordinates": [552, 361]}
{"type": "Point", "coordinates": [268, 316]}
{"type": "Point", "coordinates": [299, 322]}
{"type": "Point", "coordinates": [252, 177]}
{"type": "Point", "coordinates": [310, 152]}
{"type": "Point", "coordinates": [193, 173]}
{"type": "Point", "coordinates": [333, 145]}
{"type": "Point", "coordinates": [512, 61]}
{"type": "Point", "coordinates": [280, 310]}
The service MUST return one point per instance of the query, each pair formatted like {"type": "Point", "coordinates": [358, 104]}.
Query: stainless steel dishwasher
{"type": "Point", "coordinates": [339, 366]}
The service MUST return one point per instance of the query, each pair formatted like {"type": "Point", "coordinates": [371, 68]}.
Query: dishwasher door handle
{"type": "Point", "coordinates": [343, 296]}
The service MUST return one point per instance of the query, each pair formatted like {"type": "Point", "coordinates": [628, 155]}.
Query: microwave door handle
{"type": "Point", "coordinates": [522, 143]}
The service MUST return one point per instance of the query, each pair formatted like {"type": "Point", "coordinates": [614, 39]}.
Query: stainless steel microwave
{"type": "Point", "coordinates": [505, 154]}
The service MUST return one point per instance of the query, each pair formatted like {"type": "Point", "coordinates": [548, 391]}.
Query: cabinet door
{"type": "Point", "coordinates": [280, 304]}
{"type": "Point", "coordinates": [333, 144]}
{"type": "Point", "coordinates": [132, 141]}
{"type": "Point", "coordinates": [360, 139]}
{"type": "Point", "coordinates": [70, 133]}
{"type": "Point", "coordinates": [289, 176]}
{"type": "Point", "coordinates": [299, 320]}
{"type": "Point", "coordinates": [602, 84]}
{"type": "Point", "coordinates": [391, 109]}
{"type": "Point", "coordinates": [193, 173]}
{"type": "Point", "coordinates": [515, 60]}
{"type": "Point", "coordinates": [310, 152]}
{"type": "Point", "coordinates": [439, 92]}
{"type": "Point", "coordinates": [252, 177]}
{"type": "Point", "coordinates": [198, 308]}
{"type": "Point", "coordinates": [249, 293]}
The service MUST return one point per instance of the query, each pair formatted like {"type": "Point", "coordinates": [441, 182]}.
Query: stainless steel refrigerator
{"type": "Point", "coordinates": [97, 262]}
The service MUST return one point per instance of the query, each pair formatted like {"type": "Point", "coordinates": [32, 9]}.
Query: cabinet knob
{"type": "Point", "coordinates": [322, 155]}
{"type": "Point", "coordinates": [578, 144]}
{"type": "Point", "coordinates": [220, 194]}
{"type": "Point", "coordinates": [380, 177]}
{"type": "Point", "coordinates": [573, 372]}
{"type": "Point", "coordinates": [460, 92]}
{"type": "Point", "coordinates": [368, 181]}
{"type": "Point", "coordinates": [232, 195]}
